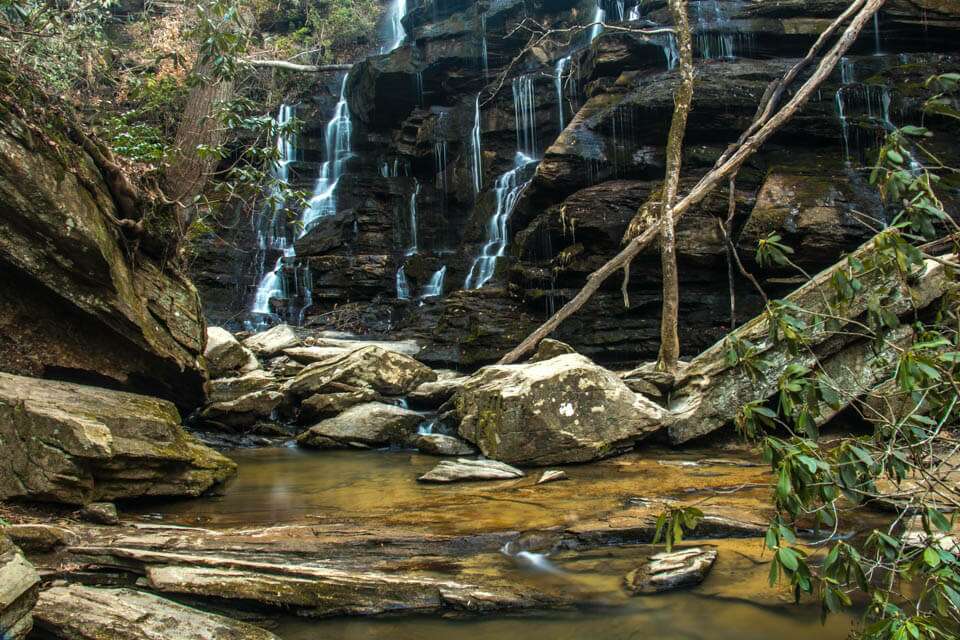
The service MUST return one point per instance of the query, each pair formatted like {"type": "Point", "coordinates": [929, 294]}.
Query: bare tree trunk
{"type": "Point", "coordinates": [293, 66]}
{"type": "Point", "coordinates": [766, 124]}
{"type": "Point", "coordinates": [187, 171]}
{"type": "Point", "coordinates": [670, 309]}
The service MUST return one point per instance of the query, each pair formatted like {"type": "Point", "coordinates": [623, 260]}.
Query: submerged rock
{"type": "Point", "coordinates": [76, 444]}
{"type": "Point", "coordinates": [272, 341]}
{"type": "Point", "coordinates": [18, 592]}
{"type": "Point", "coordinates": [566, 409]}
{"type": "Point", "coordinates": [364, 425]}
{"type": "Point", "coordinates": [464, 469]}
{"type": "Point", "coordinates": [552, 475]}
{"type": "Point", "coordinates": [78, 612]}
{"type": "Point", "coordinates": [437, 444]}
{"type": "Point", "coordinates": [668, 571]}
{"type": "Point", "coordinates": [386, 372]}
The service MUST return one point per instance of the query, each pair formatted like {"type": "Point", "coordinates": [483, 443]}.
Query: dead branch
{"type": "Point", "coordinates": [726, 165]}
{"type": "Point", "coordinates": [293, 66]}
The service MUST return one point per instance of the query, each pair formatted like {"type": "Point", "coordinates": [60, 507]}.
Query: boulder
{"type": "Point", "coordinates": [437, 444]}
{"type": "Point", "coordinates": [464, 469]}
{"type": "Point", "coordinates": [100, 513]}
{"type": "Point", "coordinates": [78, 299]}
{"type": "Point", "coordinates": [18, 592]}
{"type": "Point", "coordinates": [88, 613]}
{"type": "Point", "coordinates": [711, 390]}
{"type": "Point", "coordinates": [38, 538]}
{"type": "Point", "coordinates": [245, 410]}
{"type": "Point", "coordinates": [431, 395]}
{"type": "Point", "coordinates": [311, 354]}
{"type": "Point", "coordinates": [669, 571]}
{"type": "Point", "coordinates": [566, 409]}
{"type": "Point", "coordinates": [229, 389]}
{"type": "Point", "coordinates": [76, 444]}
{"type": "Point", "coordinates": [327, 405]}
{"type": "Point", "coordinates": [273, 340]}
{"type": "Point", "coordinates": [386, 372]}
{"type": "Point", "coordinates": [549, 348]}
{"type": "Point", "coordinates": [370, 424]}
{"type": "Point", "coordinates": [224, 353]}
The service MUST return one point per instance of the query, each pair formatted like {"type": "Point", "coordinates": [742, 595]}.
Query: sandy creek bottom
{"type": "Point", "coordinates": [286, 485]}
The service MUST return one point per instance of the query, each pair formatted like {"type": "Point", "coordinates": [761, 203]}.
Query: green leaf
{"type": "Point", "coordinates": [791, 559]}
{"type": "Point", "coordinates": [931, 557]}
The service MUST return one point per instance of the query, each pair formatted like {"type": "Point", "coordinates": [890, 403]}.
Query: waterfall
{"type": "Point", "coordinates": [403, 286]}
{"type": "Point", "coordinates": [484, 57]}
{"type": "Point", "coordinates": [440, 164]}
{"type": "Point", "coordinates": [507, 190]}
{"type": "Point", "coordinates": [434, 286]}
{"type": "Point", "coordinates": [598, 17]}
{"type": "Point", "coordinates": [338, 150]}
{"type": "Point", "coordinates": [395, 33]}
{"type": "Point", "coordinates": [524, 111]}
{"type": "Point", "coordinates": [877, 51]}
{"type": "Point", "coordinates": [412, 209]}
{"type": "Point", "coordinates": [476, 166]}
{"type": "Point", "coordinates": [418, 81]}
{"type": "Point", "coordinates": [274, 236]}
{"type": "Point", "coordinates": [718, 43]}
{"type": "Point", "coordinates": [561, 66]}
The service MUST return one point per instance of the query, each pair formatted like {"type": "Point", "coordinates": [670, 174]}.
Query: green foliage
{"type": "Point", "coordinates": [673, 523]}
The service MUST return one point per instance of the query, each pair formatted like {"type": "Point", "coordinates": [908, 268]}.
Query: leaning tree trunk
{"type": "Point", "coordinates": [767, 122]}
{"type": "Point", "coordinates": [670, 310]}
{"type": "Point", "coordinates": [188, 171]}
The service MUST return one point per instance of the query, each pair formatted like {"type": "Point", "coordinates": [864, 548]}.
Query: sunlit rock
{"type": "Point", "coordinates": [668, 571]}
{"type": "Point", "coordinates": [18, 592]}
{"type": "Point", "coordinates": [364, 425]}
{"type": "Point", "coordinates": [385, 372]}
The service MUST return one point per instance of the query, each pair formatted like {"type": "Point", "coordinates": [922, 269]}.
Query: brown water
{"type": "Point", "coordinates": [378, 488]}
{"type": "Point", "coordinates": [287, 485]}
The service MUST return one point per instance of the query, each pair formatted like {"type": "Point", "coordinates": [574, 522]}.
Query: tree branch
{"type": "Point", "coordinates": [726, 165]}
{"type": "Point", "coordinates": [293, 66]}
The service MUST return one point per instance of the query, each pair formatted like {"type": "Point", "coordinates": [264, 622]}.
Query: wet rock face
{"type": "Point", "coordinates": [18, 592]}
{"type": "Point", "coordinates": [94, 312]}
{"type": "Point", "coordinates": [75, 444]}
{"type": "Point", "coordinates": [566, 409]}
{"type": "Point", "coordinates": [386, 372]}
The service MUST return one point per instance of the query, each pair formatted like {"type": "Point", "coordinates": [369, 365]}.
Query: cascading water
{"type": "Point", "coordinates": [412, 210]}
{"type": "Point", "coordinates": [274, 235]}
{"type": "Point", "coordinates": [507, 190]}
{"type": "Point", "coordinates": [558, 72]}
{"type": "Point", "coordinates": [476, 166]}
{"type": "Point", "coordinates": [434, 286]}
{"type": "Point", "coordinates": [395, 33]}
{"type": "Point", "coordinates": [484, 56]}
{"type": "Point", "coordinates": [524, 105]}
{"type": "Point", "coordinates": [598, 17]}
{"type": "Point", "coordinates": [403, 285]}
{"type": "Point", "coordinates": [338, 150]}
{"type": "Point", "coordinates": [718, 42]}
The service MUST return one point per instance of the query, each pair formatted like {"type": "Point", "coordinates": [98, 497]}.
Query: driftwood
{"type": "Point", "coordinates": [765, 125]}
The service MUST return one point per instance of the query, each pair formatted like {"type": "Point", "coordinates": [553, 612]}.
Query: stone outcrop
{"type": "Point", "coordinates": [18, 592]}
{"type": "Point", "coordinates": [566, 409]}
{"type": "Point", "coordinates": [225, 355]}
{"type": "Point", "coordinates": [77, 612]}
{"type": "Point", "coordinates": [386, 372]}
{"type": "Point", "coordinates": [98, 309]}
{"type": "Point", "coordinates": [438, 444]}
{"type": "Point", "coordinates": [76, 444]}
{"type": "Point", "coordinates": [273, 340]}
{"type": "Point", "coordinates": [363, 425]}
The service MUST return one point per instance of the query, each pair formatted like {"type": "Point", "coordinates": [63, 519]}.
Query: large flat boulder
{"type": "Point", "coordinates": [386, 372]}
{"type": "Point", "coordinates": [79, 300]}
{"type": "Point", "coordinates": [273, 340]}
{"type": "Point", "coordinates": [364, 425]}
{"type": "Point", "coordinates": [565, 409]}
{"type": "Point", "coordinates": [712, 389]}
{"type": "Point", "coordinates": [77, 612]}
{"type": "Point", "coordinates": [18, 592]}
{"type": "Point", "coordinates": [75, 444]}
